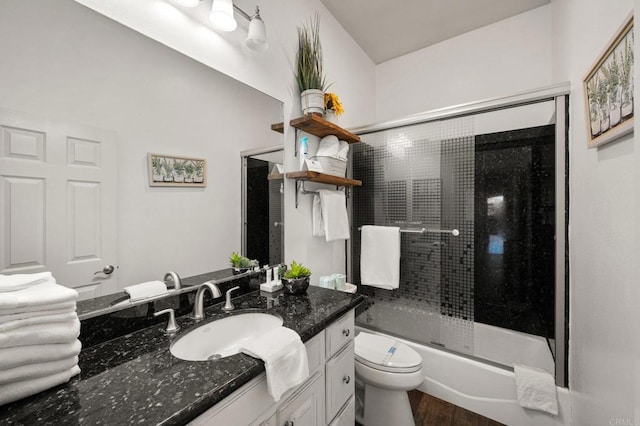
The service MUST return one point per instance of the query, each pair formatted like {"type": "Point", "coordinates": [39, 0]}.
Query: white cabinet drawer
{"type": "Point", "coordinates": [339, 333]}
{"type": "Point", "coordinates": [340, 380]}
{"type": "Point", "coordinates": [346, 417]}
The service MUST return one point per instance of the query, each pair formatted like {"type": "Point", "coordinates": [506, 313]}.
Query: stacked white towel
{"type": "Point", "coordinates": [39, 331]}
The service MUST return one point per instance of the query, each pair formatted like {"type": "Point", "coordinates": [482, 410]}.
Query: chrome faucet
{"type": "Point", "coordinates": [173, 276]}
{"type": "Point", "coordinates": [172, 327]}
{"type": "Point", "coordinates": [198, 305]}
{"type": "Point", "coordinates": [228, 306]}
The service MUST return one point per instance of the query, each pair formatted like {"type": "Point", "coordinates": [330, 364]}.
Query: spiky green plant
{"type": "Point", "coordinates": [297, 270]}
{"type": "Point", "coordinates": [238, 261]}
{"type": "Point", "coordinates": [309, 74]}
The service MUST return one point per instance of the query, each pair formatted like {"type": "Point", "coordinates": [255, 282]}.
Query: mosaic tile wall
{"type": "Point", "coordinates": [275, 217]}
{"type": "Point", "coordinates": [422, 176]}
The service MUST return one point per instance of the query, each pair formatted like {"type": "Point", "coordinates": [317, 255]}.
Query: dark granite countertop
{"type": "Point", "coordinates": [134, 379]}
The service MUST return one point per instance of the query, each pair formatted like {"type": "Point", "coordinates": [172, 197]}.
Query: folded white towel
{"type": "Point", "coordinates": [34, 354]}
{"type": "Point", "coordinates": [40, 334]}
{"type": "Point", "coordinates": [20, 281]}
{"type": "Point", "coordinates": [380, 256]}
{"type": "Point", "coordinates": [536, 389]}
{"type": "Point", "coordinates": [316, 215]}
{"type": "Point", "coordinates": [285, 359]}
{"type": "Point", "coordinates": [334, 215]}
{"type": "Point", "coordinates": [343, 152]}
{"type": "Point", "coordinates": [43, 319]}
{"type": "Point", "coordinates": [146, 290]}
{"type": "Point", "coordinates": [328, 147]}
{"type": "Point", "coordinates": [4, 318]}
{"type": "Point", "coordinates": [33, 371]}
{"type": "Point", "coordinates": [40, 295]}
{"type": "Point", "coordinates": [18, 390]}
{"type": "Point", "coordinates": [31, 310]}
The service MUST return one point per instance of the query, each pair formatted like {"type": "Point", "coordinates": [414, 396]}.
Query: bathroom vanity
{"type": "Point", "coordinates": [134, 379]}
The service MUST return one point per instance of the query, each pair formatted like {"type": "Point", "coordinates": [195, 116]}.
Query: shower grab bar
{"type": "Point", "coordinates": [453, 232]}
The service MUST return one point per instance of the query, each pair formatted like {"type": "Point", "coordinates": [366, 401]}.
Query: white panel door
{"type": "Point", "coordinates": [58, 202]}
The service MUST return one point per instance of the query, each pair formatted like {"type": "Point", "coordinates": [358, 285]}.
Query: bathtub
{"type": "Point", "coordinates": [480, 387]}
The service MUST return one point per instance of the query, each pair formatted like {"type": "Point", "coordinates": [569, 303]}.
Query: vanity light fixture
{"type": "Point", "coordinates": [222, 18]}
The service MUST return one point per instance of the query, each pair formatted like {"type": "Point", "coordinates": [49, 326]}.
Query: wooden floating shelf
{"type": "Point", "coordinates": [318, 126]}
{"type": "Point", "coordinates": [275, 176]}
{"type": "Point", "coordinates": [278, 127]}
{"type": "Point", "coordinates": [323, 178]}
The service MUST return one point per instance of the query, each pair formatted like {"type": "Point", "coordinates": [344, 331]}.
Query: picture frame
{"type": "Point", "coordinates": [177, 171]}
{"type": "Point", "coordinates": [608, 89]}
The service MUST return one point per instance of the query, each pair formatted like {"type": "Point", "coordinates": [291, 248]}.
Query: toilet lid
{"type": "Point", "coordinates": [386, 354]}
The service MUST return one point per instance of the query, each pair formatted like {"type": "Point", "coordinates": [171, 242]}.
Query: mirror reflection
{"type": "Point", "coordinates": [263, 201]}
{"type": "Point", "coordinates": [79, 115]}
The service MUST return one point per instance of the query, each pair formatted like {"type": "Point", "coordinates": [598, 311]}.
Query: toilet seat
{"type": "Point", "coordinates": [386, 354]}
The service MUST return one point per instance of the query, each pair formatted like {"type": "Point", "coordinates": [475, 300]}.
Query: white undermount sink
{"type": "Point", "coordinates": [223, 337]}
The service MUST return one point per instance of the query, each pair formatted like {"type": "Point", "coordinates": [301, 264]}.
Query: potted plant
{"type": "Point", "coordinates": [178, 169]}
{"type": "Point", "coordinates": [333, 107]}
{"type": "Point", "coordinates": [614, 91]}
{"type": "Point", "coordinates": [626, 79]}
{"type": "Point", "coordinates": [296, 278]}
{"type": "Point", "coordinates": [199, 171]}
{"type": "Point", "coordinates": [156, 165]}
{"type": "Point", "coordinates": [188, 172]}
{"type": "Point", "coordinates": [239, 263]}
{"type": "Point", "coordinates": [168, 171]}
{"type": "Point", "coordinates": [309, 76]}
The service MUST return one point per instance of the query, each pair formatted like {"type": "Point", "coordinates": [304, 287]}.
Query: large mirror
{"type": "Point", "coordinates": [83, 101]}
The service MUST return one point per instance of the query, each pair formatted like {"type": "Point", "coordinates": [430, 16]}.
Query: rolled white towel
{"type": "Point", "coordinates": [22, 281]}
{"type": "Point", "coordinates": [40, 334]}
{"type": "Point", "coordinates": [18, 390]}
{"type": "Point", "coordinates": [35, 354]}
{"type": "Point", "coordinates": [66, 306]}
{"type": "Point", "coordinates": [146, 290]}
{"type": "Point", "coordinates": [343, 152]}
{"type": "Point", "coordinates": [40, 295]}
{"type": "Point", "coordinates": [33, 371]}
{"type": "Point", "coordinates": [42, 319]}
{"type": "Point", "coordinates": [4, 318]}
{"type": "Point", "coordinates": [329, 146]}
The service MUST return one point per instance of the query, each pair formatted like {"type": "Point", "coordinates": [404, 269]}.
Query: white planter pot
{"type": "Point", "coordinates": [331, 116]}
{"type": "Point", "coordinates": [614, 114]}
{"type": "Point", "coordinates": [312, 100]}
{"type": "Point", "coordinates": [627, 109]}
{"type": "Point", "coordinates": [595, 127]}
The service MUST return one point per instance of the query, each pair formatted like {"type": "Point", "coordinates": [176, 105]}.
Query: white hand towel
{"type": "Point", "coordinates": [334, 215]}
{"type": "Point", "coordinates": [34, 354]}
{"type": "Point", "coordinates": [33, 371]}
{"type": "Point", "coordinates": [4, 318]}
{"type": "Point", "coordinates": [40, 334]}
{"type": "Point", "coordinates": [145, 290]}
{"type": "Point", "coordinates": [43, 319]}
{"type": "Point", "coordinates": [536, 389]}
{"type": "Point", "coordinates": [317, 222]}
{"type": "Point", "coordinates": [30, 310]}
{"type": "Point", "coordinates": [38, 295]}
{"type": "Point", "coordinates": [15, 391]}
{"type": "Point", "coordinates": [343, 152]}
{"type": "Point", "coordinates": [285, 359]}
{"type": "Point", "coordinates": [328, 147]}
{"type": "Point", "coordinates": [380, 256]}
{"type": "Point", "coordinates": [20, 281]}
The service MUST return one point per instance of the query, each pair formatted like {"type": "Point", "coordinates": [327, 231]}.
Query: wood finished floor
{"type": "Point", "coordinates": [431, 411]}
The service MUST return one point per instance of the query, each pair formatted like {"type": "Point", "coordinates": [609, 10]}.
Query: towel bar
{"type": "Point", "coordinates": [453, 232]}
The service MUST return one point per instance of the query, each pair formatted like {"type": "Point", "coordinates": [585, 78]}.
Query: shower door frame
{"type": "Point", "coordinates": [559, 93]}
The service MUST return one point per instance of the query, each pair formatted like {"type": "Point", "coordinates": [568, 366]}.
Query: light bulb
{"type": "Point", "coordinates": [222, 15]}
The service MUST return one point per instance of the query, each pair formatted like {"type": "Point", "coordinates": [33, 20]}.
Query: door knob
{"type": "Point", "coordinates": [107, 270]}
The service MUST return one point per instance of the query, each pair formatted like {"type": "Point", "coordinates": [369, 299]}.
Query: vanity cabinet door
{"type": "Point", "coordinates": [340, 333]}
{"type": "Point", "coordinates": [340, 380]}
{"type": "Point", "coordinates": [306, 408]}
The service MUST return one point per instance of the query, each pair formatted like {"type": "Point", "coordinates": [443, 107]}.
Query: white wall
{"type": "Point", "coordinates": [62, 60]}
{"type": "Point", "coordinates": [604, 350]}
{"type": "Point", "coordinates": [501, 59]}
{"type": "Point", "coordinates": [346, 65]}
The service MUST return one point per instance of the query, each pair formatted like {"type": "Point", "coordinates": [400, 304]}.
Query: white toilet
{"type": "Point", "coordinates": [388, 368]}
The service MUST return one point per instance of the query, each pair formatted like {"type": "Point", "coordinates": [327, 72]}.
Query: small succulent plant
{"type": "Point", "coordinates": [238, 261]}
{"type": "Point", "coordinates": [297, 270]}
